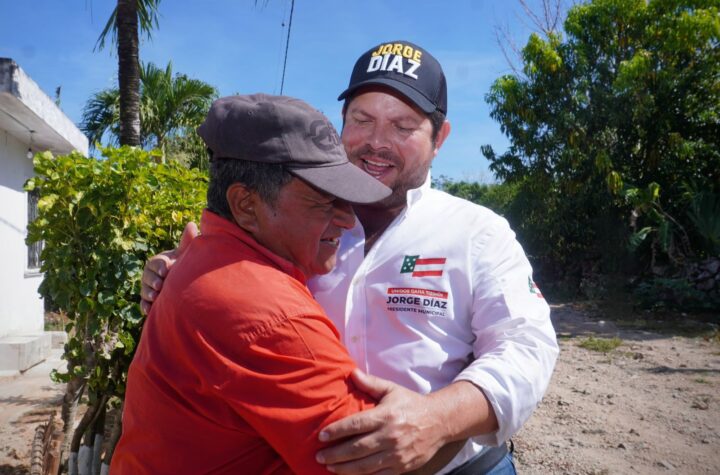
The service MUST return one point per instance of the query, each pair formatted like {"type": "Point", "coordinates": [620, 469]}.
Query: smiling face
{"type": "Point", "coordinates": [391, 140]}
{"type": "Point", "coordinates": [303, 226]}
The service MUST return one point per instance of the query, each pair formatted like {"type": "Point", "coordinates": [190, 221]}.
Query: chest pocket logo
{"type": "Point", "coordinates": [423, 267]}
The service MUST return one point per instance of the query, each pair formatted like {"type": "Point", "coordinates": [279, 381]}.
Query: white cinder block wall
{"type": "Point", "coordinates": [21, 308]}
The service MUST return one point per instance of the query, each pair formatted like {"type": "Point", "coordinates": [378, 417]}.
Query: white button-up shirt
{"type": "Point", "coordinates": [445, 294]}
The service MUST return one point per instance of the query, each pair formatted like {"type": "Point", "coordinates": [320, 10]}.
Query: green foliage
{"type": "Point", "coordinates": [147, 21]}
{"type": "Point", "coordinates": [189, 150]}
{"type": "Point", "coordinates": [496, 196]}
{"type": "Point", "coordinates": [704, 213]}
{"type": "Point", "coordinates": [172, 106]}
{"type": "Point", "coordinates": [100, 220]}
{"type": "Point", "coordinates": [101, 115]}
{"type": "Point", "coordinates": [669, 243]}
{"type": "Point", "coordinates": [606, 125]}
{"type": "Point", "coordinates": [601, 345]}
{"type": "Point", "coordinates": [674, 293]}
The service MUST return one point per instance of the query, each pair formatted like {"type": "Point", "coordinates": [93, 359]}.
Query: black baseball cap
{"type": "Point", "coordinates": [405, 67]}
{"type": "Point", "coordinates": [281, 129]}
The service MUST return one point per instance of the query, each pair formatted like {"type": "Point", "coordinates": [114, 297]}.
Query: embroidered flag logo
{"type": "Point", "coordinates": [534, 289]}
{"type": "Point", "coordinates": [426, 267]}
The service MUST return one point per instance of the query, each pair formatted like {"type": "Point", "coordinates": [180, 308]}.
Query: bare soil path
{"type": "Point", "coordinates": [26, 401]}
{"type": "Point", "coordinates": [649, 406]}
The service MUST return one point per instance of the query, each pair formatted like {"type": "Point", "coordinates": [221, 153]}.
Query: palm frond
{"type": "Point", "coordinates": [148, 16]}
{"type": "Point", "coordinates": [101, 117]}
{"type": "Point", "coordinates": [110, 29]}
{"type": "Point", "coordinates": [148, 20]}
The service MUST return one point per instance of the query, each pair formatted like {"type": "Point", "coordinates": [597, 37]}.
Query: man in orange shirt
{"type": "Point", "coordinates": [238, 367]}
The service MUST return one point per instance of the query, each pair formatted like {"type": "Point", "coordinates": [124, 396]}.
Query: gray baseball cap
{"type": "Point", "coordinates": [281, 129]}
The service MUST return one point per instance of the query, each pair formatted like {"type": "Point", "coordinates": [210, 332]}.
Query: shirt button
{"type": "Point", "coordinates": [354, 339]}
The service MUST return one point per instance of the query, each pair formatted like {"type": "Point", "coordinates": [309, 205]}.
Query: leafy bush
{"type": "Point", "coordinates": [674, 293]}
{"type": "Point", "coordinates": [496, 196]}
{"type": "Point", "coordinates": [626, 98]}
{"type": "Point", "coordinates": [704, 213]}
{"type": "Point", "coordinates": [100, 220]}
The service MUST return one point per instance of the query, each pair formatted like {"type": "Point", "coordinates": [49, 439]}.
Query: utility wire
{"type": "Point", "coordinates": [279, 55]}
{"type": "Point", "coordinates": [287, 45]}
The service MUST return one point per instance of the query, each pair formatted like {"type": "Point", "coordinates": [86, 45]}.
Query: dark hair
{"type": "Point", "coordinates": [437, 118]}
{"type": "Point", "coordinates": [266, 179]}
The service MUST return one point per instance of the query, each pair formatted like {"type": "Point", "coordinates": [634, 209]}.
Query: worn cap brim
{"type": "Point", "coordinates": [345, 180]}
{"type": "Point", "coordinates": [412, 94]}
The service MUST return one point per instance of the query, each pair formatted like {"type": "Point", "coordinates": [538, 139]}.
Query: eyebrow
{"type": "Point", "coordinates": [360, 111]}
{"type": "Point", "coordinates": [409, 117]}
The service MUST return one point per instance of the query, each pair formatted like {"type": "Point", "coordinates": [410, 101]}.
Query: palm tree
{"type": "Point", "coordinates": [171, 107]}
{"type": "Point", "coordinates": [101, 115]}
{"type": "Point", "coordinates": [126, 19]}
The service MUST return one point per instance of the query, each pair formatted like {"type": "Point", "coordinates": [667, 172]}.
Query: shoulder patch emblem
{"type": "Point", "coordinates": [534, 289]}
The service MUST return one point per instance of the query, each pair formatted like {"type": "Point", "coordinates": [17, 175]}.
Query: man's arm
{"type": "Point", "coordinates": [406, 429]}
{"type": "Point", "coordinates": [157, 268]}
{"type": "Point", "coordinates": [310, 389]}
{"type": "Point", "coordinates": [286, 381]}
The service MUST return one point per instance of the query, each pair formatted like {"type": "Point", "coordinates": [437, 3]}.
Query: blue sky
{"type": "Point", "coordinates": [239, 47]}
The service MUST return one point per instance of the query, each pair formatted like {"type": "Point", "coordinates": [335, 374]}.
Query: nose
{"type": "Point", "coordinates": [378, 137]}
{"type": "Point", "coordinates": [344, 216]}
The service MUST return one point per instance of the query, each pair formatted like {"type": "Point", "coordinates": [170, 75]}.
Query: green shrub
{"type": "Point", "coordinates": [100, 220]}
{"type": "Point", "coordinates": [592, 115]}
{"type": "Point", "coordinates": [497, 196]}
{"type": "Point", "coordinates": [674, 293]}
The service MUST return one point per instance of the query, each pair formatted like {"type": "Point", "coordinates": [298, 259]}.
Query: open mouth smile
{"type": "Point", "coordinates": [374, 168]}
{"type": "Point", "coordinates": [334, 242]}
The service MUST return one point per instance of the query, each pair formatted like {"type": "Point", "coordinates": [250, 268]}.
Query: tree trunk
{"type": "Point", "coordinates": [128, 72]}
{"type": "Point", "coordinates": [98, 431]}
{"type": "Point", "coordinates": [114, 436]}
{"type": "Point", "coordinates": [73, 392]}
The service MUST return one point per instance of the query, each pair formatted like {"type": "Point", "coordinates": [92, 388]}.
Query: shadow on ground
{"type": "Point", "coordinates": [609, 319]}
{"type": "Point", "coordinates": [6, 469]}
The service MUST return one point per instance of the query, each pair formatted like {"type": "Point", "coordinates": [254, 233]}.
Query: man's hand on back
{"type": "Point", "coordinates": [406, 429]}
{"type": "Point", "coordinates": [157, 268]}
{"type": "Point", "coordinates": [399, 435]}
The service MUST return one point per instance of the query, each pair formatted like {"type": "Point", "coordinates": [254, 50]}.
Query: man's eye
{"type": "Point", "coordinates": [326, 204]}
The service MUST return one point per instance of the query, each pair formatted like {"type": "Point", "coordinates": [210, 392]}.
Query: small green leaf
{"type": "Point", "coordinates": [87, 287]}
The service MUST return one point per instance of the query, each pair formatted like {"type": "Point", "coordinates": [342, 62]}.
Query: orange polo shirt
{"type": "Point", "coordinates": [238, 367]}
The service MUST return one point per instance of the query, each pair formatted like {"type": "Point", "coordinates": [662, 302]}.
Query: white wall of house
{"type": "Point", "coordinates": [21, 308]}
{"type": "Point", "coordinates": [28, 118]}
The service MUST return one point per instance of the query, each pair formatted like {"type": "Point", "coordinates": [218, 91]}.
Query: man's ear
{"type": "Point", "coordinates": [243, 206]}
{"type": "Point", "coordinates": [441, 136]}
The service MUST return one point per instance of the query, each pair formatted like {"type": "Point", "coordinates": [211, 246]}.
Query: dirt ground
{"type": "Point", "coordinates": [649, 406]}
{"type": "Point", "coordinates": [26, 402]}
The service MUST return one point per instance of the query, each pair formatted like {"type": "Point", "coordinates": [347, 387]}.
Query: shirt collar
{"type": "Point", "coordinates": [414, 195]}
{"type": "Point", "coordinates": [214, 224]}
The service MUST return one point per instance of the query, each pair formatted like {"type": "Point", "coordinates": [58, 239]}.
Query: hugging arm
{"type": "Point", "coordinates": [158, 266]}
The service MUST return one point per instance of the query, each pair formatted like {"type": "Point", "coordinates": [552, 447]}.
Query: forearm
{"type": "Point", "coordinates": [462, 411]}
{"type": "Point", "coordinates": [513, 372]}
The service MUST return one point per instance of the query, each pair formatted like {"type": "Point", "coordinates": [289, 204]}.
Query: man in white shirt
{"type": "Point", "coordinates": [430, 292]}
